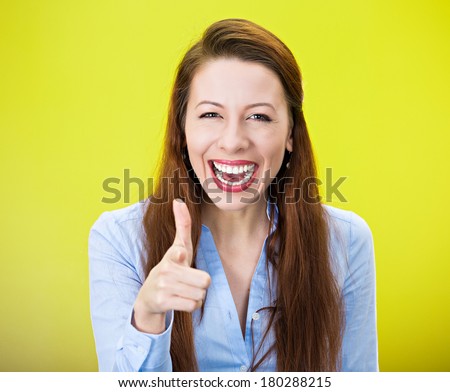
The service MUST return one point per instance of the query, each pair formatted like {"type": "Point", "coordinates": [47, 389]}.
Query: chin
{"type": "Point", "coordinates": [235, 201]}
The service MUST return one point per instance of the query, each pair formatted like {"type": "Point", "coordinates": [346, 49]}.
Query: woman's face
{"type": "Point", "coordinates": [237, 130]}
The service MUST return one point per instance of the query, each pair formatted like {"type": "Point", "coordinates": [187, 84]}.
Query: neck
{"type": "Point", "coordinates": [242, 225]}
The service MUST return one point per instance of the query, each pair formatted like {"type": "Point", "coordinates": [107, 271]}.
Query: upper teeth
{"type": "Point", "coordinates": [235, 169]}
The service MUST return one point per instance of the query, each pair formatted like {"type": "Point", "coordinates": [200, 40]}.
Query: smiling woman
{"type": "Point", "coordinates": [251, 271]}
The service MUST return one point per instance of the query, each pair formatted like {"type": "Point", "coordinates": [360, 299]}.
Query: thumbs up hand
{"type": "Point", "coordinates": [172, 284]}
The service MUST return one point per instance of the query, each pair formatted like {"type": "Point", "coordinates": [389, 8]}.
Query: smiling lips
{"type": "Point", "coordinates": [233, 176]}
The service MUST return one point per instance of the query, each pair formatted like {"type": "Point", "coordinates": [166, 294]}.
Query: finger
{"type": "Point", "coordinates": [179, 255]}
{"type": "Point", "coordinates": [191, 276]}
{"type": "Point", "coordinates": [181, 271]}
{"type": "Point", "coordinates": [184, 305]}
{"type": "Point", "coordinates": [182, 224]}
{"type": "Point", "coordinates": [186, 291]}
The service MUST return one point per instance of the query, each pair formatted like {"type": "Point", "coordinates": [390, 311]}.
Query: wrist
{"type": "Point", "coordinates": [144, 321]}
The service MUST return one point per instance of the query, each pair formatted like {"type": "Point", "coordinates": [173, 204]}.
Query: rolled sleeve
{"type": "Point", "coordinates": [115, 280]}
{"type": "Point", "coordinates": [144, 352]}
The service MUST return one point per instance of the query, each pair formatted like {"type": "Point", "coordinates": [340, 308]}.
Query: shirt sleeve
{"type": "Point", "coordinates": [360, 347]}
{"type": "Point", "coordinates": [114, 285]}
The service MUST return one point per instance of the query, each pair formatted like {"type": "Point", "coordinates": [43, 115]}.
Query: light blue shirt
{"type": "Point", "coordinates": [117, 274]}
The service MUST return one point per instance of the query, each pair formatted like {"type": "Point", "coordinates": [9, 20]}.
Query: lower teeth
{"type": "Point", "coordinates": [231, 183]}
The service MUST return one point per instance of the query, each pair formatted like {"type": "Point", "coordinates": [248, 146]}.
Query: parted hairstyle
{"type": "Point", "coordinates": [307, 313]}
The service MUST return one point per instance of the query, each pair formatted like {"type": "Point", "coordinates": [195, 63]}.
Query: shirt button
{"type": "Point", "coordinates": [243, 368]}
{"type": "Point", "coordinates": [255, 316]}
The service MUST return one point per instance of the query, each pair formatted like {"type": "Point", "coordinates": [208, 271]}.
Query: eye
{"type": "Point", "coordinates": [261, 117]}
{"type": "Point", "coordinates": [209, 115]}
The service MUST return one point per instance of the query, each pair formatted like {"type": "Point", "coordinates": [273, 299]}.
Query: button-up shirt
{"type": "Point", "coordinates": [117, 274]}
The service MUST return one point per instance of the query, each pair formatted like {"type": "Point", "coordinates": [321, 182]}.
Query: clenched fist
{"type": "Point", "coordinates": [172, 284]}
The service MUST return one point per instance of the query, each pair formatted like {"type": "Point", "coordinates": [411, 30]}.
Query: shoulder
{"type": "Point", "coordinates": [127, 219]}
{"type": "Point", "coordinates": [120, 234]}
{"type": "Point", "coordinates": [351, 241]}
{"type": "Point", "coordinates": [347, 223]}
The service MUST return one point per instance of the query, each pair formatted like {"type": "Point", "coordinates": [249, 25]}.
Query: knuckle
{"type": "Point", "coordinates": [200, 294]}
{"type": "Point", "coordinates": [161, 284]}
{"type": "Point", "coordinates": [182, 251]}
{"type": "Point", "coordinates": [191, 306]}
{"type": "Point", "coordinates": [206, 281]}
{"type": "Point", "coordinates": [159, 300]}
{"type": "Point", "coordinates": [185, 225]}
{"type": "Point", "coordinates": [178, 252]}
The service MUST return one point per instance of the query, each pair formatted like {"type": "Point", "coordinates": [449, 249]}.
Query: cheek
{"type": "Point", "coordinates": [275, 153]}
{"type": "Point", "coordinates": [276, 163]}
{"type": "Point", "coordinates": [197, 145]}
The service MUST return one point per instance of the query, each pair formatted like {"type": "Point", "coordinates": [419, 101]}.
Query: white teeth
{"type": "Point", "coordinates": [235, 169]}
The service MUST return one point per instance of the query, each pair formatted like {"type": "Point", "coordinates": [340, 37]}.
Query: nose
{"type": "Point", "coordinates": [233, 138]}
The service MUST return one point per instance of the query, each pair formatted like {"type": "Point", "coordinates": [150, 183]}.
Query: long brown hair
{"type": "Point", "coordinates": [308, 312]}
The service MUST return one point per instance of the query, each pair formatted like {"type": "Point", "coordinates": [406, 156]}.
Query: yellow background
{"type": "Point", "coordinates": [83, 95]}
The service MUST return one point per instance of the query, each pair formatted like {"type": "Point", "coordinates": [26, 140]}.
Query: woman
{"type": "Point", "coordinates": [251, 271]}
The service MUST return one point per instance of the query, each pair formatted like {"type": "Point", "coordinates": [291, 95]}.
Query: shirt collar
{"type": "Point", "coordinates": [269, 207]}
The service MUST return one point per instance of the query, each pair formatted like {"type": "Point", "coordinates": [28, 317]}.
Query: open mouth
{"type": "Point", "coordinates": [233, 176]}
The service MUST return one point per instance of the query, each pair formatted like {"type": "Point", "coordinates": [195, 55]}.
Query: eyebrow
{"type": "Point", "coordinates": [247, 107]}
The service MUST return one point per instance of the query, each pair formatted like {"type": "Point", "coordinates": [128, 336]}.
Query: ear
{"type": "Point", "coordinates": [289, 142]}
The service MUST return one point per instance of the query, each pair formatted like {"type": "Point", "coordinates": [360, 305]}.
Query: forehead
{"type": "Point", "coordinates": [236, 80]}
